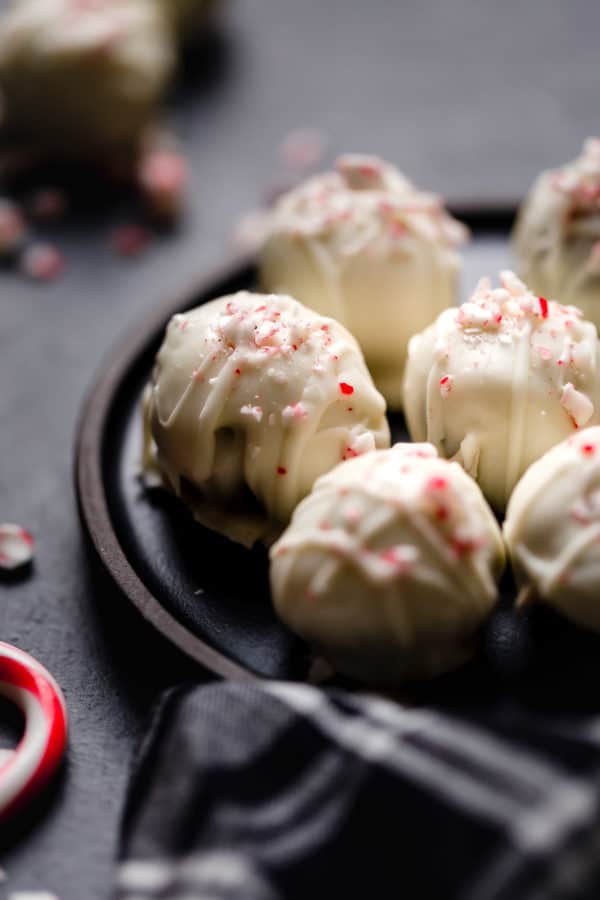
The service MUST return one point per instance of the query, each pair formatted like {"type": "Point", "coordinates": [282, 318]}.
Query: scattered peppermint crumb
{"type": "Point", "coordinates": [163, 177]}
{"type": "Point", "coordinates": [302, 148]}
{"type": "Point", "coordinates": [48, 204]}
{"type": "Point", "coordinates": [130, 240]}
{"type": "Point", "coordinates": [13, 228]}
{"type": "Point", "coordinates": [16, 546]}
{"type": "Point", "coordinates": [346, 388]}
{"type": "Point", "coordinates": [42, 262]}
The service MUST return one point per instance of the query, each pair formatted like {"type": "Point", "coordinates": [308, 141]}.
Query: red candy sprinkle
{"type": "Point", "coordinates": [281, 470]}
{"type": "Point", "coordinates": [346, 388]}
{"type": "Point", "coordinates": [238, 371]}
{"type": "Point", "coordinates": [463, 546]}
{"type": "Point", "coordinates": [588, 449]}
{"type": "Point", "coordinates": [437, 483]}
{"type": "Point", "coordinates": [544, 307]}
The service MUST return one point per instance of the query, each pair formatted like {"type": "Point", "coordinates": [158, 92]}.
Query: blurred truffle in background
{"type": "Point", "coordinates": [82, 79]}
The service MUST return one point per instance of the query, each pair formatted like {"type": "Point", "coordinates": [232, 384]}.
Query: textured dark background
{"type": "Point", "coordinates": [471, 98]}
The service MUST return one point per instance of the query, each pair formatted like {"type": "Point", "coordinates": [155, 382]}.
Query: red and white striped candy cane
{"type": "Point", "coordinates": [30, 766]}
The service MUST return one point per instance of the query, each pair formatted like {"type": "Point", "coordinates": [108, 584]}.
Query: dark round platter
{"type": "Point", "coordinates": [206, 595]}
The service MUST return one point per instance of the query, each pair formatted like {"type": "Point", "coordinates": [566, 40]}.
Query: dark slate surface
{"type": "Point", "coordinates": [470, 99]}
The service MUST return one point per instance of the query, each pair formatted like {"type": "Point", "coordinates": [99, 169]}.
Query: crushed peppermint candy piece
{"type": "Point", "coordinates": [163, 176]}
{"type": "Point", "coordinates": [254, 411]}
{"type": "Point", "coordinates": [16, 547]}
{"type": "Point", "coordinates": [302, 149]}
{"type": "Point", "coordinates": [446, 384]}
{"type": "Point", "coordinates": [130, 240]}
{"type": "Point", "coordinates": [402, 558]}
{"type": "Point", "coordinates": [362, 171]}
{"type": "Point", "coordinates": [363, 443]}
{"type": "Point", "coordinates": [579, 407]}
{"type": "Point", "coordinates": [48, 204]}
{"type": "Point", "coordinates": [13, 228]}
{"type": "Point", "coordinates": [294, 411]}
{"type": "Point", "coordinates": [42, 262]}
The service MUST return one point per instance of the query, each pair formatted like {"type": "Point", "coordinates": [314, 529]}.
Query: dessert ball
{"type": "Point", "coordinates": [82, 78]}
{"type": "Point", "coordinates": [557, 235]}
{"type": "Point", "coordinates": [497, 382]}
{"type": "Point", "coordinates": [552, 529]}
{"type": "Point", "coordinates": [362, 244]}
{"type": "Point", "coordinates": [252, 398]}
{"type": "Point", "coordinates": [390, 565]}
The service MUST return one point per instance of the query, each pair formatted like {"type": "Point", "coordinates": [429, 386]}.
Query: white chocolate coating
{"type": "Point", "coordinates": [552, 528]}
{"type": "Point", "coordinates": [363, 245]}
{"type": "Point", "coordinates": [499, 381]}
{"type": "Point", "coordinates": [253, 397]}
{"type": "Point", "coordinates": [557, 235]}
{"type": "Point", "coordinates": [82, 78]}
{"type": "Point", "coordinates": [390, 565]}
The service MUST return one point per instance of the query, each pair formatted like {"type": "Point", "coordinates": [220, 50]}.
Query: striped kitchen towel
{"type": "Point", "coordinates": [282, 791]}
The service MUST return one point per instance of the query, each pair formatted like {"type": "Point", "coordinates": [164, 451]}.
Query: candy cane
{"type": "Point", "coordinates": [24, 771]}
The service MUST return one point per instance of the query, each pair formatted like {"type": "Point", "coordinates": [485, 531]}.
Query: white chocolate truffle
{"type": "Point", "coordinates": [557, 235]}
{"type": "Point", "coordinates": [253, 397]}
{"type": "Point", "coordinates": [82, 78]}
{"type": "Point", "coordinates": [552, 529]}
{"type": "Point", "coordinates": [390, 565]}
{"type": "Point", "coordinates": [362, 244]}
{"type": "Point", "coordinates": [497, 382]}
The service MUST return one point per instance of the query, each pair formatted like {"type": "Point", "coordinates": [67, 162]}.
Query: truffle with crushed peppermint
{"type": "Point", "coordinates": [497, 382]}
{"type": "Point", "coordinates": [557, 234]}
{"type": "Point", "coordinates": [390, 565]}
{"type": "Point", "coordinates": [82, 79]}
{"type": "Point", "coordinates": [252, 398]}
{"type": "Point", "coordinates": [362, 244]}
{"type": "Point", "coordinates": [552, 529]}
